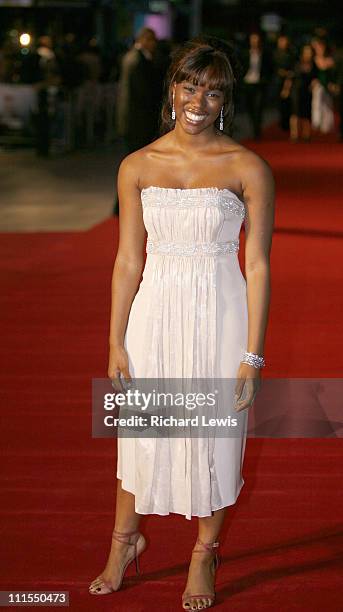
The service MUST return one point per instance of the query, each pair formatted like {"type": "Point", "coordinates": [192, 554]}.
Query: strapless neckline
{"type": "Point", "coordinates": [191, 190]}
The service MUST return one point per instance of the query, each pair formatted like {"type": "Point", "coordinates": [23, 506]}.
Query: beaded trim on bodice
{"type": "Point", "coordinates": [193, 248]}
{"type": "Point", "coordinates": [185, 198]}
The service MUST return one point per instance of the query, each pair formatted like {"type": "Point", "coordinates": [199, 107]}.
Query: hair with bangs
{"type": "Point", "coordinates": [203, 61]}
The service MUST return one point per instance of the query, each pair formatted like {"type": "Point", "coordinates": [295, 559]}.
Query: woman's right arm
{"type": "Point", "coordinates": [128, 265]}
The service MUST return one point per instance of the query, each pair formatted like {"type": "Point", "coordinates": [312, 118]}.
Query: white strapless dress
{"type": "Point", "coordinates": [189, 319]}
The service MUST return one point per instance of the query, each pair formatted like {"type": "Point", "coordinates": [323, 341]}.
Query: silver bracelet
{"type": "Point", "coordinates": [257, 361]}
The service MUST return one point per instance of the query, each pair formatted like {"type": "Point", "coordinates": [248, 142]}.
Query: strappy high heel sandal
{"type": "Point", "coordinates": [192, 599]}
{"type": "Point", "coordinates": [100, 586]}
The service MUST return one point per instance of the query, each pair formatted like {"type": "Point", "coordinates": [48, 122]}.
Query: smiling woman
{"type": "Point", "coordinates": [203, 64]}
{"type": "Point", "coordinates": [192, 316]}
{"type": "Point", "coordinates": [196, 104]}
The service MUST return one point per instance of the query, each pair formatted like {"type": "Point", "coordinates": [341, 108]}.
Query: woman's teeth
{"type": "Point", "coordinates": [194, 118]}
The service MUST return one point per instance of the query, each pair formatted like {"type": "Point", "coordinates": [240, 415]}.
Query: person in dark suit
{"type": "Point", "coordinates": [257, 71]}
{"type": "Point", "coordinates": [137, 104]}
{"type": "Point", "coordinates": [137, 110]}
{"type": "Point", "coordinates": [284, 60]}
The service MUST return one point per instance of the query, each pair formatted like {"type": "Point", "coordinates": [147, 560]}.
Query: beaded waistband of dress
{"type": "Point", "coordinates": [192, 248]}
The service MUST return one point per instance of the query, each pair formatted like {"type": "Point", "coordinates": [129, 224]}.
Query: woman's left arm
{"type": "Point", "coordinates": [259, 192]}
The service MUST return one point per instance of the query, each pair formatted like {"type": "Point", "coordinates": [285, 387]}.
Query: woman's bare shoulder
{"type": "Point", "coordinates": [131, 168]}
{"type": "Point", "coordinates": [160, 147]}
{"type": "Point", "coordinates": [252, 166]}
{"type": "Point", "coordinates": [134, 164]}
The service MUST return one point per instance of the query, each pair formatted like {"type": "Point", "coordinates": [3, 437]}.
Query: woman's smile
{"type": "Point", "coordinates": [194, 118]}
{"type": "Point", "coordinates": [197, 106]}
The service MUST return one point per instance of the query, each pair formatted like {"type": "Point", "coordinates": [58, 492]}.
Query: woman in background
{"type": "Point", "coordinates": [323, 87]}
{"type": "Point", "coordinates": [300, 90]}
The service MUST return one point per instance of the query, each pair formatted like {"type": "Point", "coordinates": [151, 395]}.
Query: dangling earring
{"type": "Point", "coordinates": [221, 119]}
{"type": "Point", "coordinates": [173, 114]}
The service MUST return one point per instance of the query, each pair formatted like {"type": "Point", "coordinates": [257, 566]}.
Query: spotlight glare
{"type": "Point", "coordinates": [25, 39]}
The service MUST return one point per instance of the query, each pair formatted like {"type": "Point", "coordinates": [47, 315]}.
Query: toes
{"type": "Point", "coordinates": [98, 590]}
{"type": "Point", "coordinates": [95, 586]}
{"type": "Point", "coordinates": [197, 604]}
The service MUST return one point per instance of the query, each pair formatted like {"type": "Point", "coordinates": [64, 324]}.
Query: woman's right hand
{"type": "Point", "coordinates": [118, 365]}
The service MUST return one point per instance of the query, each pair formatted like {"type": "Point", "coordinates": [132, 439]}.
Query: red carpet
{"type": "Point", "coordinates": [282, 545]}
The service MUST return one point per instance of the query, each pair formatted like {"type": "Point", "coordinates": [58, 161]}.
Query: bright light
{"type": "Point", "coordinates": [25, 39]}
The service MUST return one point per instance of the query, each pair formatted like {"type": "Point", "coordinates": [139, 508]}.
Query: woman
{"type": "Point", "coordinates": [300, 90]}
{"type": "Point", "coordinates": [324, 87]}
{"type": "Point", "coordinates": [194, 315]}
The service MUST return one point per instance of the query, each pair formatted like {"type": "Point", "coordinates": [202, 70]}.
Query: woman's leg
{"type": "Point", "coordinates": [126, 521]}
{"type": "Point", "coordinates": [126, 517]}
{"type": "Point", "coordinates": [201, 571]}
{"type": "Point", "coordinates": [210, 526]}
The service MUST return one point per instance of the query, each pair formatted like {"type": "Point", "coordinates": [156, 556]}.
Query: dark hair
{"type": "Point", "coordinates": [323, 41]}
{"type": "Point", "coordinates": [202, 60]}
{"type": "Point", "coordinates": [143, 32]}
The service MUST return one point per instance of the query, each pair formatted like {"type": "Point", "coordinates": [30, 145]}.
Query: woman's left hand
{"type": "Point", "coordinates": [247, 385]}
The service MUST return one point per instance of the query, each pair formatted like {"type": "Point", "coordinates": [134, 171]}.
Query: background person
{"type": "Point", "coordinates": [138, 93]}
{"type": "Point", "coordinates": [257, 73]}
{"type": "Point", "coordinates": [300, 90]}
{"type": "Point", "coordinates": [284, 58]}
{"type": "Point", "coordinates": [324, 86]}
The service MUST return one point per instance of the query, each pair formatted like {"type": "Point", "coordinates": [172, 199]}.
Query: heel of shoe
{"type": "Point", "coordinates": [138, 571]}
{"type": "Point", "coordinates": [136, 559]}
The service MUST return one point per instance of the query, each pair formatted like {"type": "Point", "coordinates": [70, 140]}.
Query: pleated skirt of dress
{"type": "Point", "coordinates": [188, 320]}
